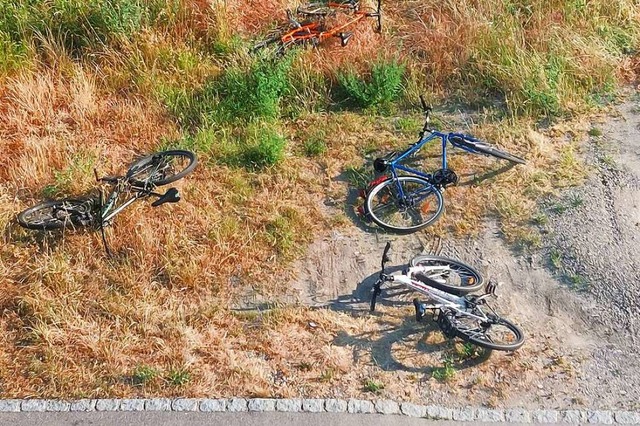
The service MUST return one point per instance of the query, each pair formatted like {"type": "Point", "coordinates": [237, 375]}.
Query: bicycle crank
{"type": "Point", "coordinates": [444, 177]}
{"type": "Point", "coordinates": [445, 323]}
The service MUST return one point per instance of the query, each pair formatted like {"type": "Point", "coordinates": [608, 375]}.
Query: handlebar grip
{"type": "Point", "coordinates": [374, 296]}
{"type": "Point", "coordinates": [385, 258]}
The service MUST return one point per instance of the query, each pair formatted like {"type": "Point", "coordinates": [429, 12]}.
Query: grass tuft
{"type": "Point", "coordinates": [377, 91]}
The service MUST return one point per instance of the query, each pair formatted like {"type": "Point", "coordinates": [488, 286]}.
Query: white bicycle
{"type": "Point", "coordinates": [447, 283]}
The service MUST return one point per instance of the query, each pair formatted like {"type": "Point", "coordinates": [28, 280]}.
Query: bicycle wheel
{"type": "Point", "coordinates": [405, 204]}
{"type": "Point", "coordinates": [59, 214]}
{"type": "Point", "coordinates": [315, 10]}
{"type": "Point", "coordinates": [477, 146]}
{"type": "Point", "coordinates": [162, 168]}
{"type": "Point", "coordinates": [495, 333]}
{"type": "Point", "coordinates": [447, 274]}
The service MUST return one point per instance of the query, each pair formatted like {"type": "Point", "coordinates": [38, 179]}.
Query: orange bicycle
{"type": "Point", "coordinates": [313, 29]}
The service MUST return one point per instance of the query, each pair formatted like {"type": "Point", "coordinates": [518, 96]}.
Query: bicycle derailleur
{"type": "Point", "coordinates": [444, 177]}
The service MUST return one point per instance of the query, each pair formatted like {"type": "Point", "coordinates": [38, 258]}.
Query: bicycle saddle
{"type": "Point", "coordinates": [344, 38]}
{"type": "Point", "coordinates": [171, 196]}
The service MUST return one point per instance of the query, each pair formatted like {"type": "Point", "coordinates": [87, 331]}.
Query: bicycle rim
{"type": "Point", "coordinates": [421, 204]}
{"type": "Point", "coordinates": [56, 215]}
{"type": "Point", "coordinates": [448, 274]}
{"type": "Point", "coordinates": [496, 333]}
{"type": "Point", "coordinates": [162, 168]}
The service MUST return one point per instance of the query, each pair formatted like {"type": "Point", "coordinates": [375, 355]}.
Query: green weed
{"type": "Point", "coordinates": [178, 377]}
{"type": "Point", "coordinates": [264, 147]}
{"type": "Point", "coordinates": [540, 219]}
{"type": "Point", "coordinates": [577, 282]}
{"type": "Point", "coordinates": [595, 132]}
{"type": "Point", "coordinates": [143, 374]}
{"type": "Point", "coordinates": [282, 232]}
{"type": "Point", "coordinates": [378, 91]}
{"type": "Point", "coordinates": [316, 144]}
{"type": "Point", "coordinates": [446, 372]}
{"type": "Point", "coordinates": [372, 386]}
{"type": "Point", "coordinates": [356, 176]}
{"type": "Point", "coordinates": [576, 200]}
{"type": "Point", "coordinates": [555, 256]}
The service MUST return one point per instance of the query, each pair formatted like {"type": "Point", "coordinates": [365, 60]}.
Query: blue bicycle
{"type": "Point", "coordinates": [409, 202]}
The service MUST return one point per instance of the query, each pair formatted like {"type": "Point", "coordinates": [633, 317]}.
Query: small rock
{"type": "Point", "coordinates": [360, 406]}
{"type": "Point", "coordinates": [83, 405]}
{"type": "Point", "coordinates": [313, 405]}
{"type": "Point", "coordinates": [158, 404]}
{"type": "Point", "coordinates": [34, 405]}
{"type": "Point", "coordinates": [413, 410]}
{"type": "Point", "coordinates": [600, 417]}
{"type": "Point", "coordinates": [386, 406]}
{"type": "Point", "coordinates": [489, 415]}
{"type": "Point", "coordinates": [132, 405]}
{"type": "Point", "coordinates": [213, 405]}
{"type": "Point", "coordinates": [237, 404]}
{"type": "Point", "coordinates": [107, 404]}
{"type": "Point", "coordinates": [463, 414]}
{"type": "Point", "coordinates": [184, 404]}
{"type": "Point", "coordinates": [261, 404]}
{"type": "Point", "coordinates": [56, 405]}
{"type": "Point", "coordinates": [336, 406]}
{"type": "Point", "coordinates": [544, 416]}
{"type": "Point", "coordinates": [517, 415]}
{"type": "Point", "coordinates": [9, 405]}
{"type": "Point", "coordinates": [289, 405]}
{"type": "Point", "coordinates": [627, 418]}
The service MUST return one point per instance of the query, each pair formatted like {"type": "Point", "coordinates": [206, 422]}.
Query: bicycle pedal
{"type": "Point", "coordinates": [420, 311]}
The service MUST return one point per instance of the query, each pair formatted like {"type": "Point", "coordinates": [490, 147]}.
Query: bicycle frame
{"type": "Point", "coordinates": [313, 30]}
{"type": "Point", "coordinates": [105, 209]}
{"type": "Point", "coordinates": [444, 299]}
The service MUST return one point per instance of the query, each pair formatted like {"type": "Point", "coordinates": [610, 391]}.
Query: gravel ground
{"type": "Point", "coordinates": [577, 298]}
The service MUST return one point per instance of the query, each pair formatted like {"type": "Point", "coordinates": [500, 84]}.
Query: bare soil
{"type": "Point", "coordinates": [576, 298]}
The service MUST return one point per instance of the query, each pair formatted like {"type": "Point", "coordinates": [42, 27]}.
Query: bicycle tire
{"type": "Point", "coordinates": [487, 149]}
{"type": "Point", "coordinates": [387, 190]}
{"type": "Point", "coordinates": [477, 333]}
{"type": "Point", "coordinates": [464, 280]}
{"type": "Point", "coordinates": [157, 164]}
{"type": "Point", "coordinates": [315, 10]}
{"type": "Point", "coordinates": [52, 220]}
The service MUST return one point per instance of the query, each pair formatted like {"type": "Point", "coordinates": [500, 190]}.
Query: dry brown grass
{"type": "Point", "coordinates": [74, 323]}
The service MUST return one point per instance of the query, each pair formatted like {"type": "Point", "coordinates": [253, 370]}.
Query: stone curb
{"type": "Point", "coordinates": [316, 405]}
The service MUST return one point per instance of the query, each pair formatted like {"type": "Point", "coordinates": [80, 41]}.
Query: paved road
{"type": "Point", "coordinates": [218, 419]}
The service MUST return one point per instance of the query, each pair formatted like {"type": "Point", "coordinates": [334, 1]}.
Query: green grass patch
{"type": "Point", "coordinates": [144, 374]}
{"type": "Point", "coordinates": [373, 386]}
{"type": "Point", "coordinates": [377, 91]}
{"type": "Point", "coordinates": [446, 372]}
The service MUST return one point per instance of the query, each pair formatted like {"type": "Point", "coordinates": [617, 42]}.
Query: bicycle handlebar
{"type": "Point", "coordinates": [427, 112]}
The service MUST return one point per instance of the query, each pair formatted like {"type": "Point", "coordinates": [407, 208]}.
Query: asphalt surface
{"type": "Point", "coordinates": [222, 419]}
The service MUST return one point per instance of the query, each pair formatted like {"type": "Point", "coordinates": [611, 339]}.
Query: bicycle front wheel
{"type": "Point", "coordinates": [495, 333]}
{"type": "Point", "coordinates": [162, 168]}
{"type": "Point", "coordinates": [447, 274]}
{"type": "Point", "coordinates": [405, 204]}
{"type": "Point", "coordinates": [477, 146]}
{"type": "Point", "coordinates": [59, 214]}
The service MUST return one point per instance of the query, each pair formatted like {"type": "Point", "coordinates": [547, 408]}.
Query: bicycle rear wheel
{"type": "Point", "coordinates": [477, 146]}
{"type": "Point", "coordinates": [405, 204]}
{"type": "Point", "coordinates": [58, 214]}
{"type": "Point", "coordinates": [162, 168]}
{"type": "Point", "coordinates": [447, 274]}
{"type": "Point", "coordinates": [495, 333]}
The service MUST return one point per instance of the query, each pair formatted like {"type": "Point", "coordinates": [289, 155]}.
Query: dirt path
{"type": "Point", "coordinates": [577, 298]}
